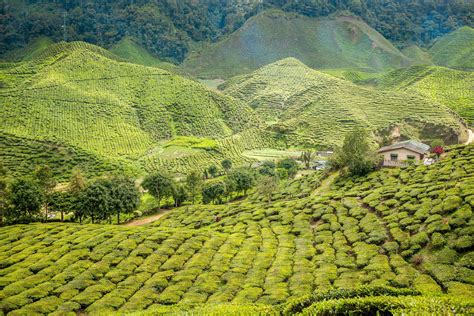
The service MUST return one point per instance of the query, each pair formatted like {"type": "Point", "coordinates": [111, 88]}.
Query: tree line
{"type": "Point", "coordinates": [35, 197]}
{"type": "Point", "coordinates": [169, 28]}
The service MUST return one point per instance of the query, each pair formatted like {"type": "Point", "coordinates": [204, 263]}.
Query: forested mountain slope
{"type": "Point", "coordinates": [453, 88]}
{"type": "Point", "coordinates": [80, 95]}
{"type": "Point", "coordinates": [170, 29]}
{"type": "Point", "coordinates": [410, 228]}
{"type": "Point", "coordinates": [311, 107]}
{"type": "Point", "coordinates": [338, 42]}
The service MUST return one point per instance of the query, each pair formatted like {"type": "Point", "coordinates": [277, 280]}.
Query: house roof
{"type": "Point", "coordinates": [407, 144]}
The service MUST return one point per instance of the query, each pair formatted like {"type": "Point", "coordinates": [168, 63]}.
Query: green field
{"type": "Point", "coordinates": [310, 107]}
{"type": "Point", "coordinates": [338, 42]}
{"type": "Point", "coordinates": [408, 228]}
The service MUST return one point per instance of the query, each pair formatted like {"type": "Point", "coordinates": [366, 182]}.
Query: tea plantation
{"type": "Point", "coordinates": [308, 106]}
{"type": "Point", "coordinates": [81, 97]}
{"type": "Point", "coordinates": [394, 241]}
{"type": "Point", "coordinates": [452, 88]}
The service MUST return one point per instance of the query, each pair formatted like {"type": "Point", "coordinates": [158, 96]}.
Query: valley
{"type": "Point", "coordinates": [236, 158]}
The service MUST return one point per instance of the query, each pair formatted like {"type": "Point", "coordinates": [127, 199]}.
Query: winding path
{"type": "Point", "coordinates": [146, 220]}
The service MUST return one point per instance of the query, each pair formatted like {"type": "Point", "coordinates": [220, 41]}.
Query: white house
{"type": "Point", "coordinates": [400, 154]}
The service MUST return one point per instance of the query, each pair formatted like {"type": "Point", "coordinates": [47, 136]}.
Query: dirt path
{"type": "Point", "coordinates": [471, 137]}
{"type": "Point", "coordinates": [326, 184]}
{"type": "Point", "coordinates": [146, 220]}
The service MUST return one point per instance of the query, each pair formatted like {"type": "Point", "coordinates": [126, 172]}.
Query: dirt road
{"type": "Point", "coordinates": [146, 220]}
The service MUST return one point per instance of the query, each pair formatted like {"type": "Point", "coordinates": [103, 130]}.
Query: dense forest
{"type": "Point", "coordinates": [168, 28]}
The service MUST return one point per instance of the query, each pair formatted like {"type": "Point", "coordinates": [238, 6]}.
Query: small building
{"type": "Point", "coordinates": [403, 153]}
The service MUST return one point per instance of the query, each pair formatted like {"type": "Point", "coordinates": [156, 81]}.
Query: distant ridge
{"type": "Point", "coordinates": [337, 42]}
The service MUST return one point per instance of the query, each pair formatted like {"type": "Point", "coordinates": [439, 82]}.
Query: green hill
{"type": "Point", "coordinates": [417, 55]}
{"type": "Point", "coordinates": [311, 107]}
{"type": "Point", "coordinates": [80, 95]}
{"type": "Point", "coordinates": [129, 50]}
{"type": "Point", "coordinates": [453, 88]}
{"type": "Point", "coordinates": [396, 240]}
{"type": "Point", "coordinates": [338, 42]}
{"type": "Point", "coordinates": [455, 50]}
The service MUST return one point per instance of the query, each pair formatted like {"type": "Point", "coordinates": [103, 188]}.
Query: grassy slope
{"type": "Point", "coordinates": [35, 47]}
{"type": "Point", "coordinates": [129, 50]}
{"type": "Point", "coordinates": [409, 227]}
{"type": "Point", "coordinates": [80, 95]}
{"type": "Point", "coordinates": [453, 88]}
{"type": "Point", "coordinates": [311, 105]}
{"type": "Point", "coordinates": [455, 50]}
{"type": "Point", "coordinates": [341, 42]}
{"type": "Point", "coordinates": [418, 55]}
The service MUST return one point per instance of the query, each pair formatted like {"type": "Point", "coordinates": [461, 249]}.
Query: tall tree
{"type": "Point", "coordinates": [3, 193]}
{"type": "Point", "coordinates": [96, 201]}
{"type": "Point", "coordinates": [226, 165]}
{"type": "Point", "coordinates": [213, 192]}
{"type": "Point", "coordinates": [244, 179]}
{"type": "Point", "coordinates": [267, 185]}
{"type": "Point", "coordinates": [356, 154]}
{"type": "Point", "coordinates": [45, 178]}
{"type": "Point", "coordinates": [160, 185]}
{"type": "Point", "coordinates": [125, 196]}
{"type": "Point", "coordinates": [26, 198]}
{"type": "Point", "coordinates": [194, 183]}
{"type": "Point", "coordinates": [306, 157]}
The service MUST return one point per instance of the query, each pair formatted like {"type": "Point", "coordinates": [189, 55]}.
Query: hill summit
{"type": "Point", "coordinates": [337, 42]}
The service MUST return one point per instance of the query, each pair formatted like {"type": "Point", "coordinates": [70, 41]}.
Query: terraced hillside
{"type": "Point", "coordinates": [453, 88]}
{"type": "Point", "coordinates": [339, 42]}
{"type": "Point", "coordinates": [81, 96]}
{"type": "Point", "coordinates": [311, 107]}
{"type": "Point", "coordinates": [455, 50]}
{"type": "Point", "coordinates": [410, 228]}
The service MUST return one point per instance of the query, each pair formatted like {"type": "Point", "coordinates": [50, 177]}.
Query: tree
{"type": "Point", "coordinates": [226, 164]}
{"type": "Point", "coordinates": [267, 168]}
{"type": "Point", "coordinates": [47, 182]}
{"type": "Point", "coordinates": [290, 165]}
{"type": "Point", "coordinates": [213, 192]}
{"type": "Point", "coordinates": [62, 201]}
{"type": "Point", "coordinates": [212, 170]}
{"type": "Point", "coordinates": [306, 157]}
{"type": "Point", "coordinates": [125, 196]}
{"type": "Point", "coordinates": [3, 193]}
{"type": "Point", "coordinates": [96, 201]}
{"type": "Point", "coordinates": [179, 194]}
{"type": "Point", "coordinates": [194, 183]}
{"type": "Point", "coordinates": [159, 184]}
{"type": "Point", "coordinates": [267, 185]}
{"type": "Point", "coordinates": [356, 154]}
{"type": "Point", "coordinates": [244, 179]}
{"type": "Point", "coordinates": [26, 198]}
{"type": "Point", "coordinates": [77, 184]}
